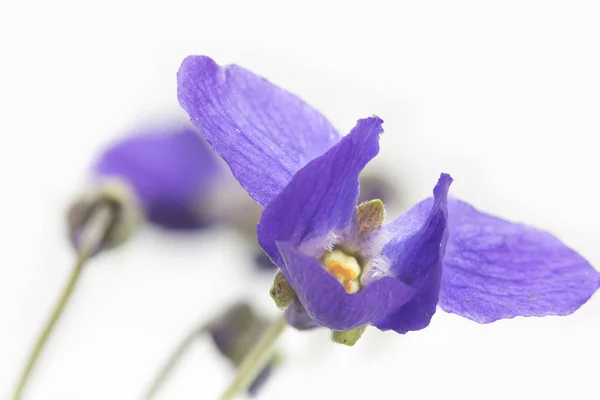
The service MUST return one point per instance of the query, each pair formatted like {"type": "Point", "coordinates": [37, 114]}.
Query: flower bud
{"type": "Point", "coordinates": [122, 202]}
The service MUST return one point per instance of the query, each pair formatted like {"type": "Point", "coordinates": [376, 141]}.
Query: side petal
{"type": "Point", "coordinates": [497, 269]}
{"type": "Point", "coordinates": [326, 301]}
{"type": "Point", "coordinates": [171, 171]}
{"type": "Point", "coordinates": [415, 255]}
{"type": "Point", "coordinates": [321, 197]}
{"type": "Point", "coordinates": [416, 314]}
{"type": "Point", "coordinates": [263, 132]}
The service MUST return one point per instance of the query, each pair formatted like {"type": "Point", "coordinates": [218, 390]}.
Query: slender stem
{"type": "Point", "coordinates": [172, 362]}
{"type": "Point", "coordinates": [255, 360]}
{"type": "Point", "coordinates": [93, 234]}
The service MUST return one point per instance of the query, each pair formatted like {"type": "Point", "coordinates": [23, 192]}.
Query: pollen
{"type": "Point", "coordinates": [344, 268]}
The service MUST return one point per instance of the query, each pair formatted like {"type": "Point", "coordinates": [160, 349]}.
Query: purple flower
{"type": "Point", "coordinates": [346, 270]}
{"type": "Point", "coordinates": [172, 173]}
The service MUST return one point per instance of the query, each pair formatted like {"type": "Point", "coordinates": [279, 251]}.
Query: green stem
{"type": "Point", "coordinates": [93, 234]}
{"type": "Point", "coordinates": [255, 360]}
{"type": "Point", "coordinates": [166, 370]}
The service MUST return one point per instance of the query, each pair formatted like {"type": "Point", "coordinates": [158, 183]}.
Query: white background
{"type": "Point", "coordinates": [505, 96]}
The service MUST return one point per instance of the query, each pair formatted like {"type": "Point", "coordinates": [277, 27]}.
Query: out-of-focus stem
{"type": "Point", "coordinates": [93, 234]}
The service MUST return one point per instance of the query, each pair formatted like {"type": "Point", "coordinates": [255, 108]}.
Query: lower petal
{"type": "Point", "coordinates": [496, 269]}
{"type": "Point", "coordinates": [326, 301]}
{"type": "Point", "coordinates": [417, 313]}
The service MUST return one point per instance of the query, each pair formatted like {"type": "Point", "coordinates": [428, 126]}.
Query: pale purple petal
{"type": "Point", "coordinates": [322, 196]}
{"type": "Point", "coordinates": [326, 301]}
{"type": "Point", "coordinates": [416, 253]}
{"type": "Point", "coordinates": [263, 132]}
{"type": "Point", "coordinates": [497, 269]}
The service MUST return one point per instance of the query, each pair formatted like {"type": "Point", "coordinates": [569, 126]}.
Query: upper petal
{"type": "Point", "coordinates": [415, 254]}
{"type": "Point", "coordinates": [263, 132]}
{"type": "Point", "coordinates": [171, 171]}
{"type": "Point", "coordinates": [497, 269]}
{"type": "Point", "coordinates": [326, 301]}
{"type": "Point", "coordinates": [322, 196]}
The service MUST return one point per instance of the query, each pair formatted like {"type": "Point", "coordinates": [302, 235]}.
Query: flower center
{"type": "Point", "coordinates": [343, 267]}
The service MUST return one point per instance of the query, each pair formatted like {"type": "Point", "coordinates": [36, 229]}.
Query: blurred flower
{"type": "Point", "coordinates": [347, 269]}
{"type": "Point", "coordinates": [167, 176]}
{"type": "Point", "coordinates": [377, 187]}
{"type": "Point", "coordinates": [234, 334]}
{"type": "Point", "coordinates": [164, 175]}
{"type": "Point", "coordinates": [171, 172]}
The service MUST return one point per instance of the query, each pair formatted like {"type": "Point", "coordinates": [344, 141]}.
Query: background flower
{"type": "Point", "coordinates": [171, 171]}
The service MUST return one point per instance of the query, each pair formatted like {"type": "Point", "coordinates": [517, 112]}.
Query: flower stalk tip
{"type": "Point", "coordinates": [112, 193]}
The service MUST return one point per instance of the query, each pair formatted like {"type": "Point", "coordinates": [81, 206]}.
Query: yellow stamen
{"type": "Point", "coordinates": [345, 268]}
{"type": "Point", "coordinates": [339, 270]}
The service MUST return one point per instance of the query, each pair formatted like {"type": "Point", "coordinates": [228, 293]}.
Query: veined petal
{"type": "Point", "coordinates": [497, 269]}
{"type": "Point", "coordinates": [326, 301]}
{"type": "Point", "coordinates": [416, 253]}
{"type": "Point", "coordinates": [321, 197]}
{"type": "Point", "coordinates": [263, 132]}
{"type": "Point", "coordinates": [171, 171]}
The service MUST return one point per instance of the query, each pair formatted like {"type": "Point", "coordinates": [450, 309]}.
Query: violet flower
{"type": "Point", "coordinates": [168, 176]}
{"type": "Point", "coordinates": [172, 172]}
{"type": "Point", "coordinates": [346, 269]}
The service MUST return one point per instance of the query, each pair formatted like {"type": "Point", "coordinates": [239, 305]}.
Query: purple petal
{"type": "Point", "coordinates": [498, 269]}
{"type": "Point", "coordinates": [171, 172]}
{"type": "Point", "coordinates": [298, 318]}
{"type": "Point", "coordinates": [326, 301]}
{"type": "Point", "coordinates": [262, 262]}
{"type": "Point", "coordinates": [416, 314]}
{"type": "Point", "coordinates": [416, 254]}
{"type": "Point", "coordinates": [322, 196]}
{"type": "Point", "coordinates": [264, 133]}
